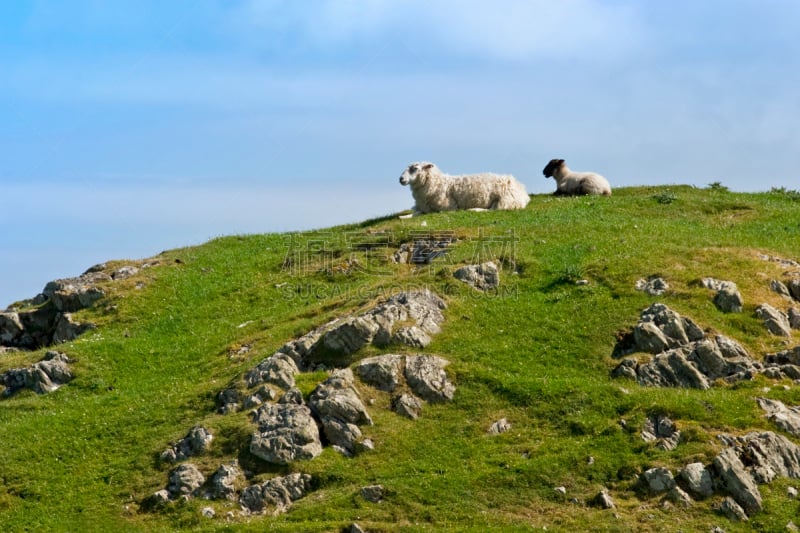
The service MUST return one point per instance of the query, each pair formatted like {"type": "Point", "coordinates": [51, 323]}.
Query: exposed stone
{"type": "Point", "coordinates": [229, 401]}
{"type": "Point", "coordinates": [72, 294]}
{"type": "Point", "coordinates": [208, 512]}
{"type": "Point", "coordinates": [737, 481]}
{"type": "Point", "coordinates": [500, 426]}
{"type": "Point", "coordinates": [659, 329]}
{"type": "Point", "coordinates": [793, 285]}
{"type": "Point", "coordinates": [732, 510]}
{"type": "Point", "coordinates": [791, 492]}
{"type": "Point", "coordinates": [778, 286]}
{"type": "Point", "coordinates": [337, 397]}
{"type": "Point", "coordinates": [407, 405]}
{"type": "Point", "coordinates": [343, 436]}
{"type": "Point", "coordinates": [697, 480]}
{"type": "Point", "coordinates": [293, 395]}
{"type": "Point", "coordinates": [224, 482]}
{"type": "Point", "coordinates": [160, 497]}
{"type": "Point", "coordinates": [561, 490]}
{"type": "Point", "coordinates": [774, 320]}
{"type": "Point", "coordinates": [661, 430]}
{"type": "Point", "coordinates": [424, 250]}
{"type": "Point", "coordinates": [124, 272]}
{"type": "Point", "coordinates": [426, 377]}
{"type": "Point", "coordinates": [45, 376]}
{"type": "Point", "coordinates": [786, 357]}
{"type": "Point", "coordinates": [185, 480]}
{"type": "Point", "coordinates": [658, 480]}
{"type": "Point", "coordinates": [355, 528]}
{"type": "Point", "coordinates": [373, 493]}
{"type": "Point", "coordinates": [654, 286]}
{"type": "Point", "coordinates": [677, 496]}
{"type": "Point", "coordinates": [67, 329]}
{"type": "Point", "coordinates": [286, 433]}
{"type": "Point", "coordinates": [384, 372]}
{"type": "Point", "coordinates": [728, 299]}
{"type": "Point", "coordinates": [195, 442]}
{"type": "Point", "coordinates": [335, 342]}
{"type": "Point", "coordinates": [786, 418]}
{"type": "Point", "coordinates": [10, 328]}
{"type": "Point", "coordinates": [483, 277]}
{"type": "Point", "coordinates": [275, 495]}
{"type": "Point", "coordinates": [604, 500]}
{"type": "Point", "coordinates": [794, 318]}
{"type": "Point", "coordinates": [278, 369]}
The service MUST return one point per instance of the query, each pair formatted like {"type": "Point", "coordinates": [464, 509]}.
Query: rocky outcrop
{"type": "Point", "coordinates": [278, 369]}
{"type": "Point", "coordinates": [408, 318]}
{"type": "Point", "coordinates": [654, 285]}
{"type": "Point", "coordinates": [483, 277]}
{"type": "Point", "coordinates": [407, 405]}
{"type": "Point", "coordinates": [45, 376]}
{"type": "Point", "coordinates": [285, 433]}
{"type": "Point", "coordinates": [661, 430]}
{"type": "Point", "coordinates": [338, 407]}
{"type": "Point", "coordinates": [786, 418]}
{"type": "Point", "coordinates": [777, 322]}
{"type": "Point", "coordinates": [727, 298]}
{"type": "Point", "coordinates": [500, 426]}
{"type": "Point", "coordinates": [424, 250]}
{"type": "Point", "coordinates": [373, 493]}
{"type": "Point", "coordinates": [426, 376]}
{"type": "Point", "coordinates": [275, 495]}
{"type": "Point", "coordinates": [683, 356]}
{"type": "Point", "coordinates": [184, 480]}
{"type": "Point", "coordinates": [384, 372]}
{"type": "Point", "coordinates": [195, 442]}
{"type": "Point", "coordinates": [224, 482]}
{"type": "Point", "coordinates": [697, 480]}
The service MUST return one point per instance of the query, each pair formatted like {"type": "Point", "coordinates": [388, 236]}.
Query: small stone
{"type": "Point", "coordinates": [604, 501]}
{"type": "Point", "coordinates": [373, 493]}
{"type": "Point", "coordinates": [732, 510]}
{"type": "Point", "coordinates": [208, 512]}
{"type": "Point", "coordinates": [791, 492]}
{"type": "Point", "coordinates": [561, 490]}
{"type": "Point", "coordinates": [791, 526]}
{"type": "Point", "coordinates": [501, 426]}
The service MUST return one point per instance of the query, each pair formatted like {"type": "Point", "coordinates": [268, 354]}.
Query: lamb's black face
{"type": "Point", "coordinates": [551, 167]}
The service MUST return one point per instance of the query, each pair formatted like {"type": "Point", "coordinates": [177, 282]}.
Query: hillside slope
{"type": "Point", "coordinates": [537, 351]}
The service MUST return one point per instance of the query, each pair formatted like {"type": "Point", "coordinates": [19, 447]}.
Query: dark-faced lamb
{"type": "Point", "coordinates": [571, 183]}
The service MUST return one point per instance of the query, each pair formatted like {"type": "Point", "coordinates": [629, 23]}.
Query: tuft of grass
{"type": "Point", "coordinates": [665, 197]}
{"type": "Point", "coordinates": [717, 186]}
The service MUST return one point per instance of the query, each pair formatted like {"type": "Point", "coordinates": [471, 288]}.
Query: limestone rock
{"type": "Point", "coordinates": [45, 376]}
{"type": "Point", "coordinates": [793, 286]}
{"type": "Point", "coordinates": [483, 277]}
{"type": "Point", "coordinates": [424, 250]}
{"type": "Point", "coordinates": [697, 479]}
{"type": "Point", "coordinates": [11, 328]}
{"type": "Point", "coordinates": [677, 496]}
{"type": "Point", "coordinates": [604, 500]}
{"type": "Point", "coordinates": [659, 329]}
{"type": "Point", "coordinates": [732, 510]}
{"type": "Point", "coordinates": [737, 481]}
{"type": "Point", "coordinates": [786, 418]}
{"type": "Point", "coordinates": [794, 318]}
{"type": "Point", "coordinates": [72, 294]}
{"type": "Point", "coordinates": [500, 426]}
{"type": "Point", "coordinates": [66, 329]}
{"type": "Point", "coordinates": [654, 285]}
{"type": "Point", "coordinates": [229, 400]}
{"type": "Point", "coordinates": [658, 480]}
{"type": "Point", "coordinates": [384, 372]}
{"type": "Point", "coordinates": [373, 493]}
{"type": "Point", "coordinates": [124, 272]}
{"type": "Point", "coordinates": [195, 442]}
{"type": "Point", "coordinates": [661, 430]}
{"type": "Point", "coordinates": [337, 397]}
{"type": "Point", "coordinates": [774, 320]}
{"type": "Point", "coordinates": [224, 481]}
{"type": "Point", "coordinates": [293, 395]}
{"type": "Point", "coordinates": [185, 480]}
{"type": "Point", "coordinates": [278, 369]}
{"type": "Point", "coordinates": [286, 433]}
{"type": "Point", "coordinates": [343, 436]}
{"type": "Point", "coordinates": [778, 286]}
{"type": "Point", "coordinates": [275, 495]}
{"type": "Point", "coordinates": [426, 377]}
{"type": "Point", "coordinates": [407, 405]}
{"type": "Point", "coordinates": [728, 299]}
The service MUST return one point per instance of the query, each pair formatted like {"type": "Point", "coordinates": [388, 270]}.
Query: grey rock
{"type": "Point", "coordinates": [791, 492]}
{"type": "Point", "coordinates": [185, 480]}
{"type": "Point", "coordinates": [786, 357]}
{"type": "Point", "coordinates": [224, 481]}
{"type": "Point", "coordinates": [737, 481]}
{"type": "Point", "coordinates": [160, 497]}
{"type": "Point", "coordinates": [423, 251]}
{"type": "Point", "coordinates": [791, 526]}
{"type": "Point", "coordinates": [697, 479]}
{"type": "Point", "coordinates": [793, 285]}
{"type": "Point", "coordinates": [794, 318]}
{"type": "Point", "coordinates": [124, 272]}
{"type": "Point", "coordinates": [661, 430]}
{"type": "Point", "coordinates": [778, 286]}
{"type": "Point", "coordinates": [658, 480]}
{"type": "Point", "coordinates": [407, 405]}
{"type": "Point", "coordinates": [483, 277]}
{"type": "Point", "coordinates": [343, 436]}
{"type": "Point", "coordinates": [677, 496]}
{"type": "Point", "coordinates": [286, 433]}
{"type": "Point", "coordinates": [278, 369]}
{"type": "Point", "coordinates": [728, 299]}
{"type": "Point", "coordinates": [427, 379]}
{"type": "Point", "coordinates": [229, 401]}
{"type": "Point", "coordinates": [411, 336]}
{"type": "Point", "coordinates": [786, 418]}
{"type": "Point", "coordinates": [275, 495]}
{"type": "Point", "coordinates": [774, 320]}
{"type": "Point", "coordinates": [72, 294]}
{"type": "Point", "coordinates": [604, 500]}
{"type": "Point", "coordinates": [336, 397]}
{"type": "Point", "coordinates": [373, 493]}
{"type": "Point", "coordinates": [732, 510]}
{"type": "Point", "coordinates": [293, 395]}
{"type": "Point", "coordinates": [355, 528]}
{"type": "Point", "coordinates": [654, 286]}
{"type": "Point", "coordinates": [208, 512]}
{"type": "Point", "coordinates": [66, 329]}
{"type": "Point", "coordinates": [500, 426]}
{"type": "Point", "coordinates": [10, 328]}
{"type": "Point", "coordinates": [384, 372]}
{"type": "Point", "coordinates": [649, 338]}
{"type": "Point", "coordinates": [195, 442]}
{"type": "Point", "coordinates": [45, 376]}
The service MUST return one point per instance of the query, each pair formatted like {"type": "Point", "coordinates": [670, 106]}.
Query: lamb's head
{"type": "Point", "coordinates": [416, 172]}
{"type": "Point", "coordinates": [552, 167]}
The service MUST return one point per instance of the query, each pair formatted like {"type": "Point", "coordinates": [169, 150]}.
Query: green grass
{"type": "Point", "coordinates": [537, 352]}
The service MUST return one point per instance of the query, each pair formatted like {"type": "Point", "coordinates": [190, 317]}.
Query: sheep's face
{"type": "Point", "coordinates": [414, 172]}
{"type": "Point", "coordinates": [551, 168]}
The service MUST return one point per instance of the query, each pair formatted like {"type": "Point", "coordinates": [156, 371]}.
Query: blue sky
{"type": "Point", "coordinates": [129, 127]}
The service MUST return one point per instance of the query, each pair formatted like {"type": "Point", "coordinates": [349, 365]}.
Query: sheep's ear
{"type": "Point", "coordinates": [428, 166]}
{"type": "Point", "coordinates": [560, 162]}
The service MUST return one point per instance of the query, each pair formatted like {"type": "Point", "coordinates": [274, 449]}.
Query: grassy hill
{"type": "Point", "coordinates": [537, 352]}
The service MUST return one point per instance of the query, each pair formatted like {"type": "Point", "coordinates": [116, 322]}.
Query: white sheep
{"type": "Point", "coordinates": [571, 183]}
{"type": "Point", "coordinates": [434, 190]}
